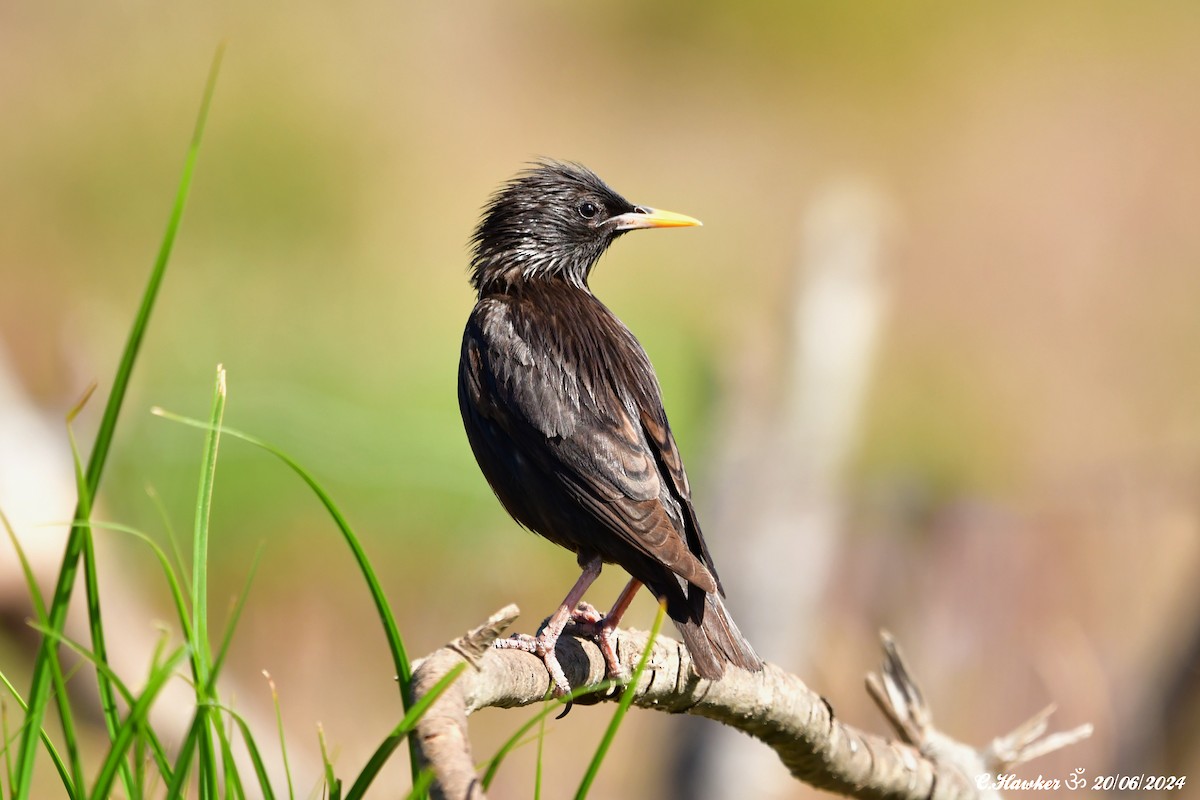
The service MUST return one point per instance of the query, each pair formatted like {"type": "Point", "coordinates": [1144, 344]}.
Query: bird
{"type": "Point", "coordinates": [565, 417]}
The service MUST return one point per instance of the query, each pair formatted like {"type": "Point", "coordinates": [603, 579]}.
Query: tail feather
{"type": "Point", "coordinates": [712, 638]}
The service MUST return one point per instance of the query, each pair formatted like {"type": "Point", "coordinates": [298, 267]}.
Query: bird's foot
{"type": "Point", "coordinates": [603, 630]}
{"type": "Point", "coordinates": [541, 646]}
{"type": "Point", "coordinates": [585, 621]}
{"type": "Point", "coordinates": [585, 614]}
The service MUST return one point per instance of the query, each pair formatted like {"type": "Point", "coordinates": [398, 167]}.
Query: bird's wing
{"type": "Point", "coordinates": [613, 456]}
{"type": "Point", "coordinates": [662, 444]}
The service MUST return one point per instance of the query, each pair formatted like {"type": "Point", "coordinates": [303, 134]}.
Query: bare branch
{"type": "Point", "coordinates": [1029, 741]}
{"type": "Point", "coordinates": [901, 701]}
{"type": "Point", "coordinates": [773, 706]}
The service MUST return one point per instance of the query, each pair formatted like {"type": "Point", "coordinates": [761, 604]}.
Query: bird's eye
{"type": "Point", "coordinates": [588, 210]}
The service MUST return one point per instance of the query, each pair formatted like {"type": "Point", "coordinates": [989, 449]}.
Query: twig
{"type": "Point", "coordinates": [772, 706]}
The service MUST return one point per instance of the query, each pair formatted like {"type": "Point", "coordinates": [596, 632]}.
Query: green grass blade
{"type": "Point", "coordinates": [181, 611]}
{"type": "Point", "coordinates": [551, 707]}
{"type": "Point", "coordinates": [200, 646]}
{"type": "Point", "coordinates": [114, 680]}
{"type": "Point", "coordinates": [421, 785]}
{"type": "Point", "coordinates": [108, 699]}
{"type": "Point", "coordinates": [138, 757]}
{"type": "Point", "coordinates": [4, 746]}
{"type": "Point", "coordinates": [233, 780]}
{"type": "Point", "coordinates": [236, 615]}
{"type": "Point", "coordinates": [185, 620]}
{"type": "Point", "coordinates": [35, 594]}
{"type": "Point", "coordinates": [173, 581]}
{"type": "Point", "coordinates": [149, 737]}
{"type": "Point", "coordinates": [183, 762]}
{"type": "Point", "coordinates": [206, 762]}
{"type": "Point", "coordinates": [382, 607]}
{"type": "Point", "coordinates": [622, 708]}
{"type": "Point", "coordinates": [135, 720]}
{"type": "Point", "coordinates": [91, 657]}
{"type": "Point", "coordinates": [70, 741]}
{"type": "Point", "coordinates": [400, 732]}
{"type": "Point", "coordinates": [157, 752]}
{"type": "Point", "coordinates": [260, 769]}
{"type": "Point", "coordinates": [60, 765]}
{"type": "Point", "coordinates": [537, 773]}
{"type": "Point", "coordinates": [287, 769]}
{"type": "Point", "coordinates": [39, 692]}
{"type": "Point", "coordinates": [137, 333]}
{"type": "Point", "coordinates": [332, 785]}
{"type": "Point", "coordinates": [176, 554]}
{"type": "Point", "coordinates": [201, 654]}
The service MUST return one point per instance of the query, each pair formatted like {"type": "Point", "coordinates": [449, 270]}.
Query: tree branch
{"type": "Point", "coordinates": [772, 706]}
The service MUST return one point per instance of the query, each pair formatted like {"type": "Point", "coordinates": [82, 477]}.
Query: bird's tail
{"type": "Point", "coordinates": [712, 638]}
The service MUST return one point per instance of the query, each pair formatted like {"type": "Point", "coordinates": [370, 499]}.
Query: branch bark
{"type": "Point", "coordinates": [773, 706]}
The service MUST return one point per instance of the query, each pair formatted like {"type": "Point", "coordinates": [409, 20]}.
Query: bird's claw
{"type": "Point", "coordinates": [586, 614]}
{"type": "Point", "coordinates": [543, 649]}
{"type": "Point", "coordinates": [605, 636]}
{"type": "Point", "coordinates": [518, 641]}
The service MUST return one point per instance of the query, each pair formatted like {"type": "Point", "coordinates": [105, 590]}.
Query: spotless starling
{"type": "Point", "coordinates": [565, 415]}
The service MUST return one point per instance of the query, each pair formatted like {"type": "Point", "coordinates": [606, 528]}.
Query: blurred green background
{"type": "Point", "coordinates": [1034, 393]}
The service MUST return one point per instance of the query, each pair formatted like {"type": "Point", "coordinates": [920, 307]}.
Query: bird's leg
{"type": "Point", "coordinates": [603, 628]}
{"type": "Point", "coordinates": [543, 644]}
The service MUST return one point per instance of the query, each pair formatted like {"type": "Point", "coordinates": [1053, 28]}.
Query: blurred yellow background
{"type": "Point", "coordinates": [1018, 498]}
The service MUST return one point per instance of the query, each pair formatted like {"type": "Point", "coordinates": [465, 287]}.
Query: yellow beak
{"type": "Point", "coordinates": [646, 217]}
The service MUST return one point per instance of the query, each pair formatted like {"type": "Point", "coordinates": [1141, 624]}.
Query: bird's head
{"type": "Point", "coordinates": [553, 221]}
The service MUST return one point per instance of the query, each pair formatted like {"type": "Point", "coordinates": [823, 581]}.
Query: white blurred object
{"type": "Point", "coordinates": [36, 486]}
{"type": "Point", "coordinates": [780, 465]}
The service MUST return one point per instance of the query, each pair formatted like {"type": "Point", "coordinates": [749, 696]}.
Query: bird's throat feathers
{"type": "Point", "coordinates": [501, 270]}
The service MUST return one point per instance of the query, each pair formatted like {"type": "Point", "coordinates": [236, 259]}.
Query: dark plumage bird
{"type": "Point", "coordinates": [565, 416]}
